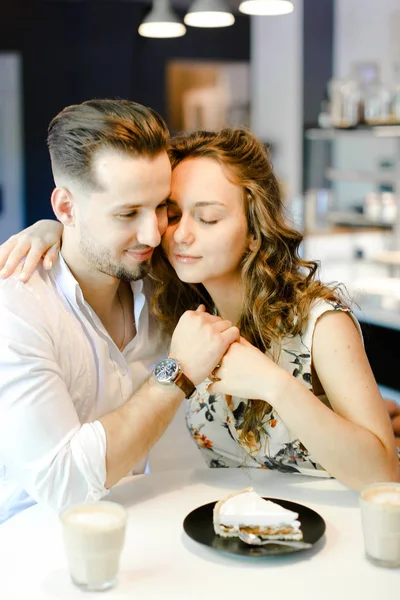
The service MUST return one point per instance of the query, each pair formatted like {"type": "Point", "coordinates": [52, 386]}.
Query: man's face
{"type": "Point", "coordinates": [120, 225]}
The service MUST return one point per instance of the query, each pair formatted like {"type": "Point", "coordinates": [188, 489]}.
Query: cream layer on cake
{"type": "Point", "coordinates": [247, 511]}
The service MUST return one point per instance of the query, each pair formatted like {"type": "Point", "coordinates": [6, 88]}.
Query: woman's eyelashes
{"type": "Point", "coordinates": [207, 217]}
{"type": "Point", "coordinates": [175, 217]}
{"type": "Point", "coordinates": [205, 222]}
{"type": "Point", "coordinates": [202, 216]}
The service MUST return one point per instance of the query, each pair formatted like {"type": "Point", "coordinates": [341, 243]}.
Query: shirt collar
{"type": "Point", "coordinates": [72, 290]}
{"type": "Point", "coordinates": [66, 281]}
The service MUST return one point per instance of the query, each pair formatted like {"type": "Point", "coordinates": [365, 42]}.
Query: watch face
{"type": "Point", "coordinates": [166, 370]}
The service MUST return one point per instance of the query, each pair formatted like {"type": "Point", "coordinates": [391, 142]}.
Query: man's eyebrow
{"type": "Point", "coordinates": [127, 205]}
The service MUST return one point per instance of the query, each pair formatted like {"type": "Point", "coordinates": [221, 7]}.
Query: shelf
{"type": "Point", "coordinates": [380, 131]}
{"type": "Point", "coordinates": [362, 176]}
{"type": "Point", "coordinates": [355, 219]}
{"type": "Point", "coordinates": [344, 230]}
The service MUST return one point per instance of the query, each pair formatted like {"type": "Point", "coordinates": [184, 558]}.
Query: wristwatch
{"type": "Point", "coordinates": [168, 371]}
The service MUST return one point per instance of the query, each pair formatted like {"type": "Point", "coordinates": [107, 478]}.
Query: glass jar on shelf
{"type": "Point", "coordinates": [378, 104]}
{"type": "Point", "coordinates": [345, 102]}
{"type": "Point", "coordinates": [396, 95]}
{"type": "Point", "coordinates": [396, 105]}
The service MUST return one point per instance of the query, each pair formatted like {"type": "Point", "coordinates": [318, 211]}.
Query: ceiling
{"type": "Point", "coordinates": [234, 4]}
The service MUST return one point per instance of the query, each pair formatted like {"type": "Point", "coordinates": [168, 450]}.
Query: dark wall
{"type": "Point", "coordinates": [317, 56]}
{"type": "Point", "coordinates": [318, 23]}
{"type": "Point", "coordinates": [381, 345]}
{"type": "Point", "coordinates": [73, 51]}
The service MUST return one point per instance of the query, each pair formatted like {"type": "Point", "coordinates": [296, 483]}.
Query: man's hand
{"type": "Point", "coordinates": [199, 342]}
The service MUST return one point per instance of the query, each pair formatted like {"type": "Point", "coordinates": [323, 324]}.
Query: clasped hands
{"type": "Point", "coordinates": [211, 348]}
{"type": "Point", "coordinates": [245, 372]}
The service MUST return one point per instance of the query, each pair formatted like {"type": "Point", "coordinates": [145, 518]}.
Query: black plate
{"type": "Point", "coordinates": [198, 525]}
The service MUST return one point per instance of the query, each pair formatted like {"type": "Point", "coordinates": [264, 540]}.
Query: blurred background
{"type": "Point", "coordinates": [319, 85]}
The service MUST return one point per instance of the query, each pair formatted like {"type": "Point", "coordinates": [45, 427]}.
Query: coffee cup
{"type": "Point", "coordinates": [94, 536]}
{"type": "Point", "coordinates": [380, 514]}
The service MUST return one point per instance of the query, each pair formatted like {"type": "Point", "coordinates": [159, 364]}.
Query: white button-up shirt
{"type": "Point", "coordinates": [59, 372]}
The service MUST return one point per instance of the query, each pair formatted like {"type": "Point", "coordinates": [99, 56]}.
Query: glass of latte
{"type": "Point", "coordinates": [380, 514]}
{"type": "Point", "coordinates": [94, 536]}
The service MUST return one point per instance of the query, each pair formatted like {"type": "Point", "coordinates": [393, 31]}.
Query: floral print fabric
{"type": "Point", "coordinates": [215, 421]}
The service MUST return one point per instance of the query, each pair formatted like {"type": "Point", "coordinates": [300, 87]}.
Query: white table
{"type": "Point", "coordinates": [159, 561]}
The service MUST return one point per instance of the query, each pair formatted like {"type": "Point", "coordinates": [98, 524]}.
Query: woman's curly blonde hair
{"type": "Point", "coordinates": [278, 285]}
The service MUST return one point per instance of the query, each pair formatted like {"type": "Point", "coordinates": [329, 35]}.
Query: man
{"type": "Point", "coordinates": [78, 410]}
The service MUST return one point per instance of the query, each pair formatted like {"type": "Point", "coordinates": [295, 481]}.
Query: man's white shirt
{"type": "Point", "coordinates": [59, 372]}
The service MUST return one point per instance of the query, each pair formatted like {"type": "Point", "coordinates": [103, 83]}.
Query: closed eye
{"type": "Point", "coordinates": [129, 215]}
{"type": "Point", "coordinates": [208, 222]}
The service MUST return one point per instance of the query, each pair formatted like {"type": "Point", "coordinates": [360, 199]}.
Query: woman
{"type": "Point", "coordinates": [297, 393]}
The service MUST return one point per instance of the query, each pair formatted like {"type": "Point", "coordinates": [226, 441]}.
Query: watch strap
{"type": "Point", "coordinates": [184, 383]}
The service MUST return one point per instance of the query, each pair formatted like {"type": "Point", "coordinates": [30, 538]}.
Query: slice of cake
{"type": "Point", "coordinates": [247, 511]}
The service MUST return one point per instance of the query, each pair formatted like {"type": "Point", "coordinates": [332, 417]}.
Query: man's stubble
{"type": "Point", "coordinates": [101, 259]}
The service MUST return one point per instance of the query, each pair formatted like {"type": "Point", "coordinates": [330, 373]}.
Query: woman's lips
{"type": "Point", "coordinates": [185, 259]}
{"type": "Point", "coordinates": [141, 256]}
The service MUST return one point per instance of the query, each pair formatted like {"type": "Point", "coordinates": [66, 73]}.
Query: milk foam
{"type": "Point", "coordinates": [387, 495]}
{"type": "Point", "coordinates": [94, 518]}
{"type": "Point", "coordinates": [252, 510]}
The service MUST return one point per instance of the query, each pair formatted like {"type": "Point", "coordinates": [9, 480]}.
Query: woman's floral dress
{"type": "Point", "coordinates": [215, 421]}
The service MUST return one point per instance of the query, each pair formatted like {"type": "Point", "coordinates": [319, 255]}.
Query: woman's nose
{"type": "Point", "coordinates": [183, 233]}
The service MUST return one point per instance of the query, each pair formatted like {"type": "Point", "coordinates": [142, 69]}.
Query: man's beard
{"type": "Point", "coordinates": [100, 258]}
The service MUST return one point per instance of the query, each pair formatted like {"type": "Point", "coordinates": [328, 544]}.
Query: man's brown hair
{"type": "Point", "coordinates": [81, 130]}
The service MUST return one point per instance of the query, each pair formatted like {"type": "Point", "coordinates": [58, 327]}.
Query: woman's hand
{"type": "Point", "coordinates": [39, 241]}
{"type": "Point", "coordinates": [248, 373]}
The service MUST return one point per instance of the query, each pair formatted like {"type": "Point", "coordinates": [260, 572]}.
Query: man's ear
{"type": "Point", "coordinates": [63, 205]}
